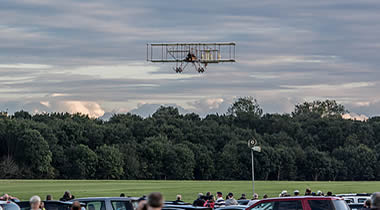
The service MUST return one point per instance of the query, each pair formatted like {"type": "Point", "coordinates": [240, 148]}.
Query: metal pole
{"type": "Point", "coordinates": [253, 175]}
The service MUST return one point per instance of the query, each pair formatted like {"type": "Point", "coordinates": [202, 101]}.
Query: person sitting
{"type": "Point", "coordinates": [188, 57]}
{"type": "Point", "coordinates": [231, 200]}
{"type": "Point", "coordinates": [191, 57]}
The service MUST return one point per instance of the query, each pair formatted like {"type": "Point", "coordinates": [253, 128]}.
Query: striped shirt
{"type": "Point", "coordinates": [220, 203]}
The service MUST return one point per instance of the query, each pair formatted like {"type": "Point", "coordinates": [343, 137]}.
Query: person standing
{"type": "Point", "coordinates": [178, 199]}
{"type": "Point", "coordinates": [219, 201]}
{"type": "Point", "coordinates": [243, 197]}
{"type": "Point", "coordinates": [208, 194]}
{"type": "Point", "coordinates": [199, 201]}
{"type": "Point", "coordinates": [254, 199]}
{"type": "Point", "coordinates": [210, 202]}
{"type": "Point", "coordinates": [155, 201]}
{"type": "Point", "coordinates": [296, 192]}
{"type": "Point", "coordinates": [49, 197]}
{"type": "Point", "coordinates": [308, 192]}
{"type": "Point", "coordinates": [76, 206]}
{"type": "Point", "coordinates": [366, 205]}
{"type": "Point", "coordinates": [35, 202]}
{"type": "Point", "coordinates": [42, 206]}
{"type": "Point", "coordinates": [7, 197]}
{"type": "Point", "coordinates": [375, 201]}
{"type": "Point", "coordinates": [67, 196]}
{"type": "Point", "coordinates": [142, 203]}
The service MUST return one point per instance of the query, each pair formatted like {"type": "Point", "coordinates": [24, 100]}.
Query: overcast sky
{"type": "Point", "coordinates": [89, 56]}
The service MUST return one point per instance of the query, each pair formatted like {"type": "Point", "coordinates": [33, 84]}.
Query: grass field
{"type": "Point", "coordinates": [24, 189]}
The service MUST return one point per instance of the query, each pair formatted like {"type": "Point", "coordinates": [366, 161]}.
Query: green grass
{"type": "Point", "coordinates": [24, 189]}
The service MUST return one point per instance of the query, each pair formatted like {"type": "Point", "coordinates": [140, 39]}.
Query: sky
{"type": "Point", "coordinates": [90, 56]}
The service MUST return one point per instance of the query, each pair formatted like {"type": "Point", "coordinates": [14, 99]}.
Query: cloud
{"type": "Point", "coordinates": [59, 94]}
{"type": "Point", "coordinates": [210, 103]}
{"type": "Point", "coordinates": [89, 108]}
{"type": "Point", "coordinates": [332, 86]}
{"type": "Point", "coordinates": [45, 103]}
{"type": "Point", "coordinates": [206, 106]}
{"type": "Point", "coordinates": [146, 109]}
{"type": "Point", "coordinates": [130, 71]}
{"type": "Point", "coordinates": [365, 106]}
{"type": "Point", "coordinates": [24, 66]}
{"type": "Point", "coordinates": [19, 33]}
{"type": "Point", "coordinates": [354, 116]}
{"type": "Point", "coordinates": [276, 60]}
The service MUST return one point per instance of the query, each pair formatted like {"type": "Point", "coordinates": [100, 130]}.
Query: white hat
{"type": "Point", "coordinates": [35, 199]}
{"type": "Point", "coordinates": [284, 192]}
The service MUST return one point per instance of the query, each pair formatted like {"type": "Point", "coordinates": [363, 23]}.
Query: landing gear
{"type": "Point", "coordinates": [178, 69]}
{"type": "Point", "coordinates": [198, 67]}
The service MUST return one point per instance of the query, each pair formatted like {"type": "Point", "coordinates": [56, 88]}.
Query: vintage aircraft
{"type": "Point", "coordinates": [197, 54]}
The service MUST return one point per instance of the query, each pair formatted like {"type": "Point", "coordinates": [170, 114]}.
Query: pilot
{"type": "Point", "coordinates": [189, 56]}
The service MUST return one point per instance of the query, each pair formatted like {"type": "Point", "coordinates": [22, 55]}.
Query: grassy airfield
{"type": "Point", "coordinates": [24, 189]}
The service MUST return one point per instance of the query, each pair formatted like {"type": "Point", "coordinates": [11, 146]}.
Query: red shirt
{"type": "Point", "coordinates": [209, 204]}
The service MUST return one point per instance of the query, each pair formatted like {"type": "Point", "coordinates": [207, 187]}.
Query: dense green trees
{"type": "Point", "coordinates": [81, 162]}
{"type": "Point", "coordinates": [312, 143]}
{"type": "Point", "coordinates": [110, 162]}
{"type": "Point", "coordinates": [328, 108]}
{"type": "Point", "coordinates": [34, 152]}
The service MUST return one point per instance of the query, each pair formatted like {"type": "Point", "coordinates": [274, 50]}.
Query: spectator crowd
{"type": "Point", "coordinates": [155, 200]}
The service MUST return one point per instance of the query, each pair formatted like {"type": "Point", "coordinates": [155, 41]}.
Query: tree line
{"type": "Point", "coordinates": [313, 142]}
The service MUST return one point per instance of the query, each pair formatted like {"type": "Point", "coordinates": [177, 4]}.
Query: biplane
{"type": "Point", "coordinates": [198, 55]}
